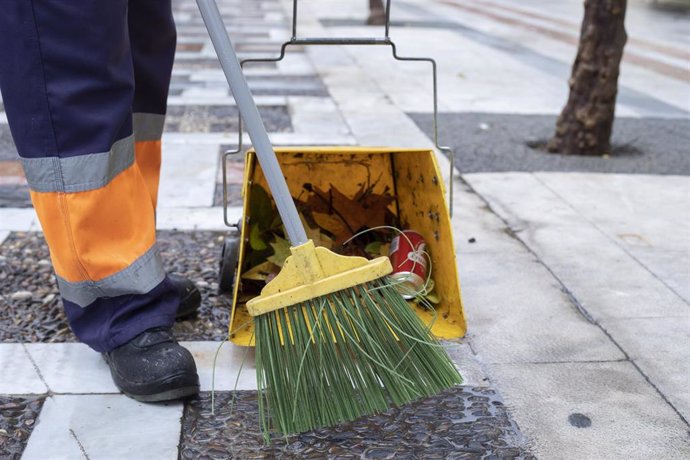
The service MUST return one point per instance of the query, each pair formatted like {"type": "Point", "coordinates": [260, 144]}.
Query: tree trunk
{"type": "Point", "coordinates": [377, 13]}
{"type": "Point", "coordinates": [584, 127]}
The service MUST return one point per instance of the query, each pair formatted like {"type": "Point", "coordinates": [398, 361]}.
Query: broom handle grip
{"type": "Point", "coordinates": [252, 119]}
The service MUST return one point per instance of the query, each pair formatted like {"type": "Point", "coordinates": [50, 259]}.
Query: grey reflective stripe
{"type": "Point", "coordinates": [140, 277]}
{"type": "Point", "coordinates": [79, 173]}
{"type": "Point", "coordinates": [148, 126]}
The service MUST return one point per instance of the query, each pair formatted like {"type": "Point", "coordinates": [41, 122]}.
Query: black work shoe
{"type": "Point", "coordinates": [190, 297]}
{"type": "Point", "coordinates": [153, 367]}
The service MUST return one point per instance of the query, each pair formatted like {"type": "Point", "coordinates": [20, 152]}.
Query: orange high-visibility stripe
{"type": "Point", "coordinates": [148, 157]}
{"type": "Point", "coordinates": [97, 233]}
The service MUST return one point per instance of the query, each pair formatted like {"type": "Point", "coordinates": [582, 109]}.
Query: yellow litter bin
{"type": "Point", "coordinates": [414, 179]}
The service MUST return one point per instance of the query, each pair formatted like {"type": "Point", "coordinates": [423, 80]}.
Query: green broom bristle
{"type": "Point", "coordinates": [342, 356]}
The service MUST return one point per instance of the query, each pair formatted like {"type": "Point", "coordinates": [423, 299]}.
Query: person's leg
{"type": "Point", "coordinates": [67, 81]}
{"type": "Point", "coordinates": [153, 38]}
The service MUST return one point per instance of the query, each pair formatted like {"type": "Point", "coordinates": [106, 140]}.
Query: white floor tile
{"type": "Point", "coordinates": [17, 372]}
{"type": "Point", "coordinates": [72, 368]}
{"type": "Point", "coordinates": [196, 218]}
{"type": "Point", "coordinates": [228, 365]}
{"type": "Point", "coordinates": [19, 220]}
{"type": "Point", "coordinates": [188, 174]}
{"type": "Point", "coordinates": [105, 427]}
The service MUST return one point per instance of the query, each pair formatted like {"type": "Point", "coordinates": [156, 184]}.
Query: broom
{"type": "Point", "coordinates": [335, 340]}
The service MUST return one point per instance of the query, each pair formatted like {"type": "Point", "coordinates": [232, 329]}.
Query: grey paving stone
{"type": "Point", "coordinates": [462, 422]}
{"type": "Point", "coordinates": [14, 196]}
{"type": "Point", "coordinates": [210, 118]}
{"type": "Point", "coordinates": [37, 316]}
{"type": "Point", "coordinates": [279, 85]}
{"type": "Point", "coordinates": [234, 195]}
{"type": "Point", "coordinates": [212, 63]}
{"type": "Point", "coordinates": [7, 149]}
{"type": "Point", "coordinates": [17, 420]}
{"type": "Point", "coordinates": [499, 142]}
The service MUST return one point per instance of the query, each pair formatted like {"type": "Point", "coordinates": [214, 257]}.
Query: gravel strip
{"type": "Point", "coordinates": [196, 255]}
{"type": "Point", "coordinates": [30, 309]}
{"type": "Point", "coordinates": [500, 143]}
{"type": "Point", "coordinates": [17, 420]}
{"type": "Point", "coordinates": [462, 422]}
{"type": "Point", "coordinates": [220, 118]}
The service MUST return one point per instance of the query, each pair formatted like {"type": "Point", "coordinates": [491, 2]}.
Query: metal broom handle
{"type": "Point", "coordinates": [255, 126]}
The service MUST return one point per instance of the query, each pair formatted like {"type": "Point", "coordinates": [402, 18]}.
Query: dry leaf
{"type": "Point", "coordinates": [342, 216]}
{"type": "Point", "coordinates": [315, 234]}
{"type": "Point", "coordinates": [261, 272]}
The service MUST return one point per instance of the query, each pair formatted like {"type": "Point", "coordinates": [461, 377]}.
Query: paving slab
{"type": "Point", "coordinates": [564, 240]}
{"type": "Point", "coordinates": [518, 313]}
{"type": "Point", "coordinates": [72, 368]}
{"type": "Point", "coordinates": [194, 218]}
{"type": "Point", "coordinates": [546, 52]}
{"type": "Point", "coordinates": [644, 214]}
{"type": "Point", "coordinates": [18, 220]}
{"type": "Point", "coordinates": [660, 347]}
{"type": "Point", "coordinates": [649, 207]}
{"type": "Point", "coordinates": [467, 362]}
{"type": "Point", "coordinates": [369, 113]}
{"type": "Point", "coordinates": [234, 370]}
{"type": "Point", "coordinates": [105, 426]}
{"type": "Point", "coordinates": [316, 115]}
{"type": "Point", "coordinates": [188, 173]}
{"type": "Point", "coordinates": [19, 376]}
{"type": "Point", "coordinates": [476, 228]}
{"type": "Point", "coordinates": [671, 266]}
{"type": "Point", "coordinates": [624, 417]}
{"type": "Point", "coordinates": [281, 139]}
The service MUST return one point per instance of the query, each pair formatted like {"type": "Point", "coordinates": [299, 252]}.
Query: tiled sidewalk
{"type": "Point", "coordinates": [589, 366]}
{"type": "Point", "coordinates": [61, 402]}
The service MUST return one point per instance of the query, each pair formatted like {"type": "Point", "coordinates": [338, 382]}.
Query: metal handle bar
{"type": "Point", "coordinates": [255, 126]}
{"type": "Point", "coordinates": [346, 41]}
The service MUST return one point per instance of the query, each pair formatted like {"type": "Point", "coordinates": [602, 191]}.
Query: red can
{"type": "Point", "coordinates": [409, 261]}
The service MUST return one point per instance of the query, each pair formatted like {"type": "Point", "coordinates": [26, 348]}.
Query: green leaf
{"type": "Point", "coordinates": [260, 207]}
{"type": "Point", "coordinates": [281, 251]}
{"type": "Point", "coordinates": [276, 223]}
{"type": "Point", "coordinates": [373, 248]}
{"type": "Point", "coordinates": [255, 238]}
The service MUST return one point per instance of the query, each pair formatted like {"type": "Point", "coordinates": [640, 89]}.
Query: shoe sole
{"type": "Point", "coordinates": [168, 395]}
